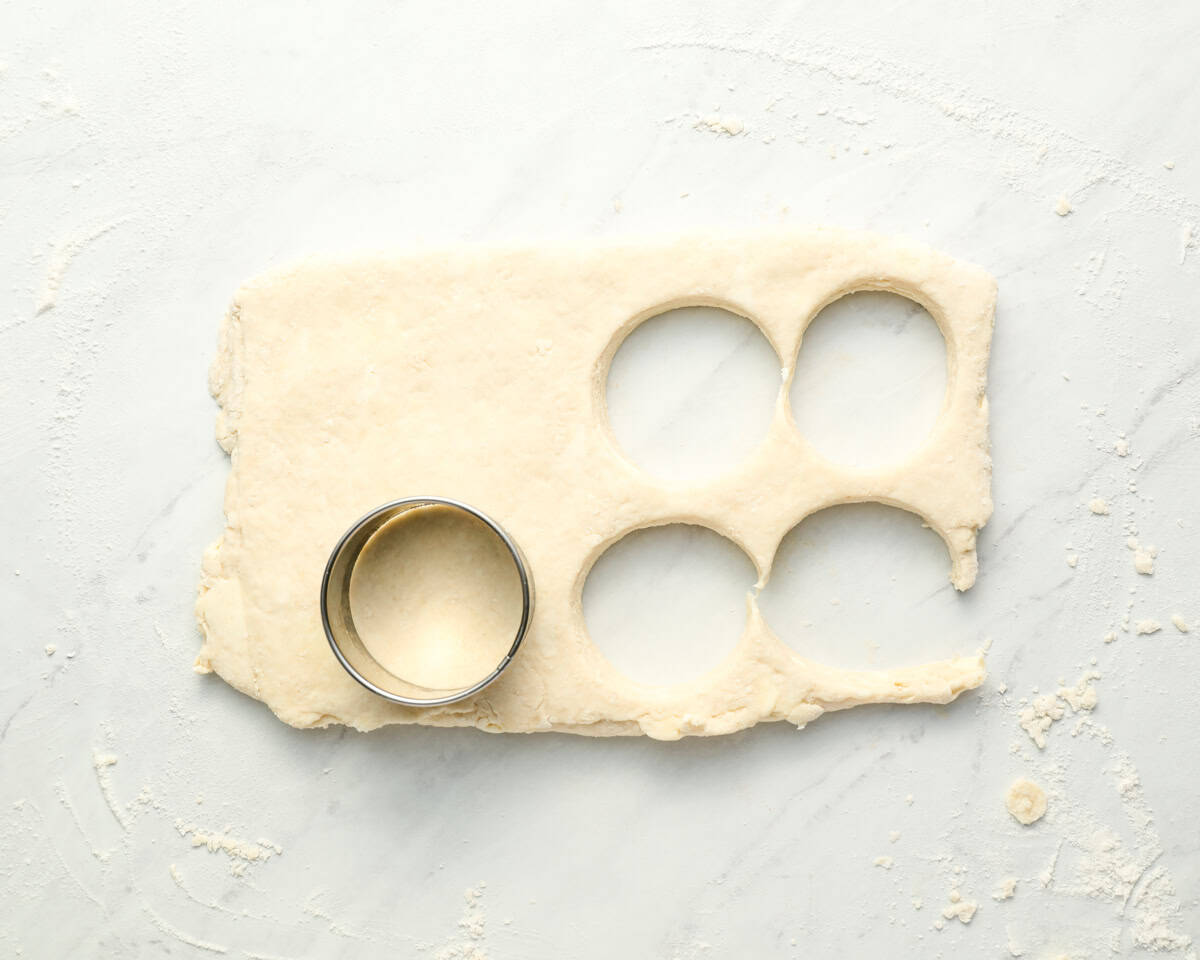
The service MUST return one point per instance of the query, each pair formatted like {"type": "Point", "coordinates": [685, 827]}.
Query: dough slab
{"type": "Point", "coordinates": [479, 375]}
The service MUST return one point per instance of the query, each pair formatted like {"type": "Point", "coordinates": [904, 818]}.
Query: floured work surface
{"type": "Point", "coordinates": [479, 375]}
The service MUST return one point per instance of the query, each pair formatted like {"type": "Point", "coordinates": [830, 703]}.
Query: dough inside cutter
{"type": "Point", "coordinates": [435, 597]}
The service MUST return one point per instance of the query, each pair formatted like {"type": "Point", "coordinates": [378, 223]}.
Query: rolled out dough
{"type": "Point", "coordinates": [479, 375]}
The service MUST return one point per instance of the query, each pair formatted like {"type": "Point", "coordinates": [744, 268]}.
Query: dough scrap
{"type": "Point", "coordinates": [479, 375]}
{"type": "Point", "coordinates": [1026, 801]}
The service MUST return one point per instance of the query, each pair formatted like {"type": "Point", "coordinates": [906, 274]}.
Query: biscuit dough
{"type": "Point", "coordinates": [479, 375]}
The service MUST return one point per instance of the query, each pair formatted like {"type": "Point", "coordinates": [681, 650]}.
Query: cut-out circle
{"type": "Point", "coordinates": [870, 379]}
{"type": "Point", "coordinates": [691, 392]}
{"type": "Point", "coordinates": [864, 586]}
{"type": "Point", "coordinates": [667, 604]}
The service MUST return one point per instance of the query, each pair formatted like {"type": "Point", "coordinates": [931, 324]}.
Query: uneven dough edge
{"type": "Point", "coordinates": [228, 644]}
{"type": "Point", "coordinates": [219, 607]}
{"type": "Point", "coordinates": [940, 682]}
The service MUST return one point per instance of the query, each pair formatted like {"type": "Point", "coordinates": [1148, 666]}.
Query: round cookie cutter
{"type": "Point", "coordinates": [338, 622]}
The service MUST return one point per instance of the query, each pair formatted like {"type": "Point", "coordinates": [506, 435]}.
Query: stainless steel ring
{"type": "Point", "coordinates": [348, 647]}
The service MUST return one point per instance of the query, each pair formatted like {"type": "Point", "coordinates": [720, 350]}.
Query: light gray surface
{"type": "Point", "coordinates": [153, 156]}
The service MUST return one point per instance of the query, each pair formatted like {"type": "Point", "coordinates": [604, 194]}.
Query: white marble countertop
{"type": "Point", "coordinates": [154, 156]}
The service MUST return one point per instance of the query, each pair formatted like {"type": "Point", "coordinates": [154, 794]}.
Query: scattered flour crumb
{"type": "Point", "coordinates": [894, 836]}
{"type": "Point", "coordinates": [101, 762]}
{"type": "Point", "coordinates": [177, 934]}
{"type": "Point", "coordinates": [1062, 206]}
{"type": "Point", "coordinates": [723, 126]}
{"type": "Point", "coordinates": [60, 259]}
{"type": "Point", "coordinates": [1083, 695]}
{"type": "Point", "coordinates": [241, 853]}
{"type": "Point", "coordinates": [1099, 505]}
{"type": "Point", "coordinates": [50, 649]}
{"type": "Point", "coordinates": [909, 799]}
{"type": "Point", "coordinates": [1008, 886]}
{"type": "Point", "coordinates": [960, 909]}
{"type": "Point", "coordinates": [1180, 624]}
{"type": "Point", "coordinates": [885, 862]}
{"type": "Point", "coordinates": [1149, 625]}
{"type": "Point", "coordinates": [1110, 637]}
{"type": "Point", "coordinates": [917, 903]}
{"type": "Point", "coordinates": [1121, 446]}
{"type": "Point", "coordinates": [1143, 557]}
{"type": "Point", "coordinates": [469, 943]}
{"type": "Point", "coordinates": [1110, 871]}
{"type": "Point", "coordinates": [1026, 801]}
{"type": "Point", "coordinates": [1046, 877]}
{"type": "Point", "coordinates": [1072, 560]}
{"type": "Point", "coordinates": [1169, 164]}
{"type": "Point", "coordinates": [1038, 717]}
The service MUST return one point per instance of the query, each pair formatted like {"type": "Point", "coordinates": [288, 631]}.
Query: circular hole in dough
{"type": "Point", "coordinates": [691, 393]}
{"type": "Point", "coordinates": [667, 604]}
{"type": "Point", "coordinates": [870, 379]}
{"type": "Point", "coordinates": [864, 586]}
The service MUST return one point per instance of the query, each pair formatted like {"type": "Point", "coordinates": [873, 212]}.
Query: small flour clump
{"type": "Point", "coordinates": [1026, 801]}
{"type": "Point", "coordinates": [1062, 206]}
{"type": "Point", "coordinates": [1143, 557]}
{"type": "Point", "coordinates": [885, 862]}
{"type": "Point", "coordinates": [1039, 716]}
{"type": "Point", "coordinates": [1147, 626]}
{"type": "Point", "coordinates": [1008, 887]}
{"type": "Point", "coordinates": [727, 126]}
{"type": "Point", "coordinates": [963, 910]}
{"type": "Point", "coordinates": [1099, 506]}
{"type": "Point", "coordinates": [1082, 696]}
{"type": "Point", "coordinates": [1180, 624]}
{"type": "Point", "coordinates": [1121, 446]}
